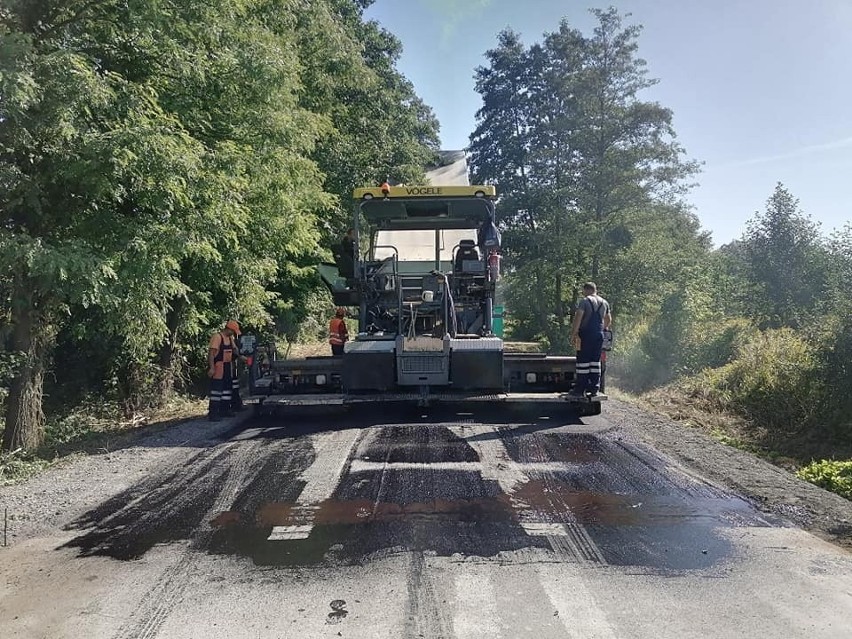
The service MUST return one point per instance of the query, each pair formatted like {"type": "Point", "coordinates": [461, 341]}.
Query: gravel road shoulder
{"type": "Point", "coordinates": [48, 501]}
{"type": "Point", "coordinates": [770, 488]}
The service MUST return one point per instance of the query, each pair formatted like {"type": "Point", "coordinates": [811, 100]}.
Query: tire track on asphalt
{"type": "Point", "coordinates": [576, 606]}
{"type": "Point", "coordinates": [156, 605]}
{"type": "Point", "coordinates": [565, 582]}
{"type": "Point", "coordinates": [424, 618]}
{"type": "Point", "coordinates": [569, 539]}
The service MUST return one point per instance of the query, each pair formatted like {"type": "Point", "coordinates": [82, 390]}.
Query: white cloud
{"type": "Point", "coordinates": [796, 153]}
{"type": "Point", "coordinates": [453, 12]}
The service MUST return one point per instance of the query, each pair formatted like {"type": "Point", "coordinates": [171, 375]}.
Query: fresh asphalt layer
{"type": "Point", "coordinates": [448, 522]}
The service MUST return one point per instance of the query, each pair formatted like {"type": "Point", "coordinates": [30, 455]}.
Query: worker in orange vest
{"type": "Point", "coordinates": [222, 357]}
{"type": "Point", "coordinates": [338, 335]}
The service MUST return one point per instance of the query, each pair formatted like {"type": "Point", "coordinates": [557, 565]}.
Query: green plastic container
{"type": "Point", "coordinates": [497, 321]}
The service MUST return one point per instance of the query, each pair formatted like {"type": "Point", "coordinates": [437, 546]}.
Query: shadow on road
{"type": "Point", "coordinates": [300, 421]}
{"type": "Point", "coordinates": [522, 478]}
{"type": "Point", "coordinates": [171, 505]}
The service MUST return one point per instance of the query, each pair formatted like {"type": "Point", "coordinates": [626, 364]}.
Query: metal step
{"type": "Point", "coordinates": [332, 399]}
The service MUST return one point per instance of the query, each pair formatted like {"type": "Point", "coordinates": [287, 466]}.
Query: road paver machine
{"type": "Point", "coordinates": [420, 272]}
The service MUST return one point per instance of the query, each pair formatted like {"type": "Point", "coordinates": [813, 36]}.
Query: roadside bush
{"type": "Point", "coordinates": [653, 354]}
{"type": "Point", "coordinates": [771, 381]}
{"type": "Point", "coordinates": [835, 476]}
{"type": "Point", "coordinates": [67, 429]}
{"type": "Point", "coordinates": [308, 322]}
{"type": "Point", "coordinates": [19, 465]}
{"type": "Point", "coordinates": [834, 356]}
{"type": "Point", "coordinates": [634, 367]}
{"type": "Point", "coordinates": [716, 343]}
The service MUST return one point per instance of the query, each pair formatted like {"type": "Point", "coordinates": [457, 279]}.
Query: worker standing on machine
{"type": "Point", "coordinates": [592, 318]}
{"type": "Point", "coordinates": [338, 334]}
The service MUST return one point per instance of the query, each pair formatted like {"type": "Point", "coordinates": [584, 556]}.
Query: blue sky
{"type": "Point", "coordinates": [761, 89]}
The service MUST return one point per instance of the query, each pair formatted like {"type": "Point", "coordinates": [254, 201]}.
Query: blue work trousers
{"type": "Point", "coordinates": [589, 361]}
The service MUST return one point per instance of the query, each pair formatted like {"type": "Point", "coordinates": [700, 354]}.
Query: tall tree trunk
{"type": "Point", "coordinates": [540, 304]}
{"type": "Point", "coordinates": [32, 338]}
{"type": "Point", "coordinates": [560, 334]}
{"type": "Point", "coordinates": [169, 346]}
{"type": "Point", "coordinates": [600, 214]}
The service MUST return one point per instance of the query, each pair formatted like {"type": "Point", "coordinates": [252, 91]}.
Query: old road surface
{"type": "Point", "coordinates": [450, 522]}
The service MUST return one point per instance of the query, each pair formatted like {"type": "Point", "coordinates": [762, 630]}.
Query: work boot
{"type": "Point", "coordinates": [576, 392]}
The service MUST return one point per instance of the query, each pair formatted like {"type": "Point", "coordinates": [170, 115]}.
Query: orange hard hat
{"type": "Point", "coordinates": [234, 326]}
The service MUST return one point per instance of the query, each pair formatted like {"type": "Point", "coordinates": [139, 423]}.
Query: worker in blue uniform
{"type": "Point", "coordinates": [591, 319]}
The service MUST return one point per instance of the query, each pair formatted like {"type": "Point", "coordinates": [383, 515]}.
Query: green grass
{"type": "Point", "coordinates": [18, 466]}
{"type": "Point", "coordinates": [832, 475]}
{"type": "Point", "coordinates": [90, 429]}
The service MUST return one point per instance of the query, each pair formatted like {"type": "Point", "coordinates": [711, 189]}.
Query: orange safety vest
{"type": "Point", "coordinates": [337, 333]}
{"type": "Point", "coordinates": [225, 350]}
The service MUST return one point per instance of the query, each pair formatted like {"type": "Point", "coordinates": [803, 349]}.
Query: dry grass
{"type": "Point", "coordinates": [300, 351]}
{"type": "Point", "coordinates": [179, 409]}
{"type": "Point", "coordinates": [522, 347]}
{"type": "Point", "coordinates": [86, 432]}
{"type": "Point", "coordinates": [676, 403]}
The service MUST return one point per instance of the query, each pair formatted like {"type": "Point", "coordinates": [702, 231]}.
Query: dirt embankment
{"type": "Point", "coordinates": [773, 489]}
{"type": "Point", "coordinates": [45, 503]}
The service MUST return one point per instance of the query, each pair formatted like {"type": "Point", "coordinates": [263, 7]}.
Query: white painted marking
{"type": "Point", "coordinates": [282, 533]}
{"type": "Point", "coordinates": [321, 478]}
{"type": "Point", "coordinates": [509, 467]}
{"type": "Point", "coordinates": [333, 451]}
{"type": "Point", "coordinates": [497, 465]}
{"type": "Point", "coordinates": [543, 530]}
{"type": "Point", "coordinates": [363, 466]}
{"type": "Point", "coordinates": [475, 607]}
{"type": "Point", "coordinates": [577, 608]}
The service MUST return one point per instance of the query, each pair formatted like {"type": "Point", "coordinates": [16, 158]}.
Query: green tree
{"type": "Point", "coordinates": [588, 167]}
{"type": "Point", "coordinates": [499, 154]}
{"type": "Point", "coordinates": [381, 128]}
{"type": "Point", "coordinates": [840, 278]}
{"type": "Point", "coordinates": [58, 240]}
{"type": "Point", "coordinates": [652, 253]}
{"type": "Point", "coordinates": [163, 165]}
{"type": "Point", "coordinates": [133, 158]}
{"type": "Point", "coordinates": [787, 262]}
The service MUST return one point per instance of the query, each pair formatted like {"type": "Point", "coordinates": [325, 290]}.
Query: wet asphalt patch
{"type": "Point", "coordinates": [172, 507]}
{"type": "Point", "coordinates": [411, 484]}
